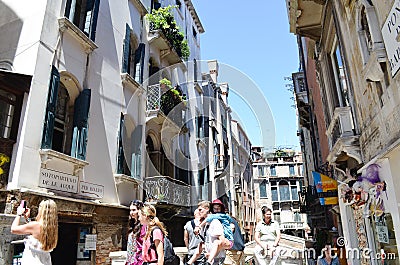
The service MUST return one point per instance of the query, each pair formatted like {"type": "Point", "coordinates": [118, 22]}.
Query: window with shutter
{"type": "Point", "coordinates": [80, 124]}
{"type": "Point", "coordinates": [136, 139]}
{"type": "Point", "coordinates": [84, 14]}
{"type": "Point", "coordinates": [139, 63]}
{"type": "Point", "coordinates": [48, 129]}
{"type": "Point", "coordinates": [122, 166]}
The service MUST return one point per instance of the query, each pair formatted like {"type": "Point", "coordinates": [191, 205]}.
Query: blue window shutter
{"type": "Point", "coordinates": [126, 50]}
{"type": "Point", "coordinates": [93, 24]}
{"type": "Point", "coordinates": [120, 161]}
{"type": "Point", "coordinates": [139, 62]}
{"type": "Point", "coordinates": [80, 124]}
{"type": "Point", "coordinates": [47, 138]}
{"type": "Point", "coordinates": [136, 151]}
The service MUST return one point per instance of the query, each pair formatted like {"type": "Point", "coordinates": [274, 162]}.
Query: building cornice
{"type": "Point", "coordinates": [194, 15]}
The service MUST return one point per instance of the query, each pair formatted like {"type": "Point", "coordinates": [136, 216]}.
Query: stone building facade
{"type": "Point", "coordinates": [355, 49]}
{"type": "Point", "coordinates": [74, 115]}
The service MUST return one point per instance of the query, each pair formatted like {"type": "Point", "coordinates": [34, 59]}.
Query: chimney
{"type": "Point", "coordinates": [224, 92]}
{"type": "Point", "coordinates": [213, 68]}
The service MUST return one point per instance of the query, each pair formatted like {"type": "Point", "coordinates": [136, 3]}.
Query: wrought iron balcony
{"type": "Point", "coordinates": [167, 190]}
{"type": "Point", "coordinates": [165, 101]}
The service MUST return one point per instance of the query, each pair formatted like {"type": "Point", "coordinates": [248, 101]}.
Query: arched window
{"type": "Point", "coordinates": [61, 141]}
{"type": "Point", "coordinates": [66, 121]}
{"type": "Point", "coordinates": [369, 33]}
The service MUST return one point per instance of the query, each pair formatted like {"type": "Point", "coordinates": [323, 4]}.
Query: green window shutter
{"type": "Point", "coordinates": [120, 161]}
{"type": "Point", "coordinates": [48, 128]}
{"type": "Point", "coordinates": [139, 62]}
{"type": "Point", "coordinates": [126, 50]}
{"type": "Point", "coordinates": [81, 115]}
{"type": "Point", "coordinates": [95, 15]}
{"type": "Point", "coordinates": [136, 151]}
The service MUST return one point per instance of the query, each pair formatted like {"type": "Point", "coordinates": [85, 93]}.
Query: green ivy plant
{"type": "Point", "coordinates": [162, 19]}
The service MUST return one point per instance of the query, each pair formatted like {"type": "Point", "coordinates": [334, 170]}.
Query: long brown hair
{"type": "Point", "coordinates": [48, 217]}
{"type": "Point", "coordinates": [150, 212]}
{"type": "Point", "coordinates": [134, 224]}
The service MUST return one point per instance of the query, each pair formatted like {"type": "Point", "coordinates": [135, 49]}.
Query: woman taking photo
{"type": "Point", "coordinates": [135, 235]}
{"type": "Point", "coordinates": [43, 233]}
{"type": "Point", "coordinates": [153, 241]}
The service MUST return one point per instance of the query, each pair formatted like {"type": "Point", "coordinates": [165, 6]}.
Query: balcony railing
{"type": "Point", "coordinates": [158, 100]}
{"type": "Point", "coordinates": [341, 125]}
{"type": "Point", "coordinates": [168, 190]}
{"type": "Point", "coordinates": [153, 97]}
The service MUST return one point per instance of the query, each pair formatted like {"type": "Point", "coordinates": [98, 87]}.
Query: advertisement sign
{"type": "Point", "coordinates": [327, 189]}
{"type": "Point", "coordinates": [90, 242]}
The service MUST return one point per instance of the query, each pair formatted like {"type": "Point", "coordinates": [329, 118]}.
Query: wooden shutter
{"type": "Point", "coordinates": [81, 114]}
{"type": "Point", "coordinates": [126, 50]}
{"type": "Point", "coordinates": [137, 151]}
{"type": "Point", "coordinates": [121, 157]}
{"type": "Point", "coordinates": [47, 138]}
{"type": "Point", "coordinates": [93, 23]}
{"type": "Point", "coordinates": [139, 62]}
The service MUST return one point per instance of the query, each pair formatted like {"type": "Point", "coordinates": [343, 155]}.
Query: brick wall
{"type": "Point", "coordinates": [110, 227]}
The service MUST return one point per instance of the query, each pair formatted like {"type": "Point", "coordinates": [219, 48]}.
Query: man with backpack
{"type": "Point", "coordinates": [191, 240]}
{"type": "Point", "coordinates": [213, 230]}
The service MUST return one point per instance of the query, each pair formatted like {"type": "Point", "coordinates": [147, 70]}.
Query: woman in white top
{"type": "Point", "coordinates": [43, 233]}
{"type": "Point", "coordinates": [267, 237]}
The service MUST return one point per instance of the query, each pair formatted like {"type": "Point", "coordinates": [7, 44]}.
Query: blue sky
{"type": "Point", "coordinates": [253, 37]}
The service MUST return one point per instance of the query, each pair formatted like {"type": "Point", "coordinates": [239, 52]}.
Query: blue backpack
{"type": "Point", "coordinates": [170, 258]}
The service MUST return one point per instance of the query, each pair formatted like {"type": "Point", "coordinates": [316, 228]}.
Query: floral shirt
{"type": "Point", "coordinates": [134, 248]}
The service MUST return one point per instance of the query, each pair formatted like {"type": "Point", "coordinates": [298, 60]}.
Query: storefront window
{"type": "Point", "coordinates": [385, 238]}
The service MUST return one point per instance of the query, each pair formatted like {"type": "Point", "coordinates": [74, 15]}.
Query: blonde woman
{"type": "Point", "coordinates": [152, 252]}
{"type": "Point", "coordinates": [43, 233]}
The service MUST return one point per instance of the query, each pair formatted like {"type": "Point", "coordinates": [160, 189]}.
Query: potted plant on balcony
{"type": "Point", "coordinates": [162, 19]}
{"type": "Point", "coordinates": [165, 84]}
